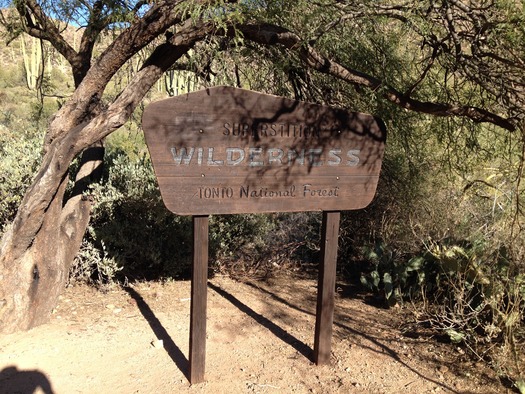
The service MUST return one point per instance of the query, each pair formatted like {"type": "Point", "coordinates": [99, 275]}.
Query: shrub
{"type": "Point", "coordinates": [259, 245]}
{"type": "Point", "coordinates": [19, 159]}
{"type": "Point", "coordinates": [479, 301]}
{"type": "Point", "coordinates": [11, 76]}
{"type": "Point", "coordinates": [133, 235]}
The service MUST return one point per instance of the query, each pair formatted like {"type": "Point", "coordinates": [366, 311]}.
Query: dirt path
{"type": "Point", "coordinates": [259, 341]}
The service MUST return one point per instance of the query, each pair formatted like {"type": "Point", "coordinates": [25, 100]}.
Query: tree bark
{"type": "Point", "coordinates": [37, 250]}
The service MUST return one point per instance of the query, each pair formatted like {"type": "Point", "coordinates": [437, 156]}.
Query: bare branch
{"type": "Point", "coordinates": [159, 17]}
{"type": "Point", "coordinates": [272, 35]}
{"type": "Point", "coordinates": [65, 147]}
{"type": "Point", "coordinates": [39, 25]}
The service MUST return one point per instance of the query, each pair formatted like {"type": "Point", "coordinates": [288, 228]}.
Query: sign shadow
{"type": "Point", "coordinates": [160, 332]}
{"type": "Point", "coordinates": [279, 332]}
{"type": "Point", "coordinates": [384, 347]}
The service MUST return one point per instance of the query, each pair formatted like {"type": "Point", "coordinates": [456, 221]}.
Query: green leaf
{"type": "Point", "coordinates": [375, 278]}
{"type": "Point", "coordinates": [455, 336]}
{"type": "Point", "coordinates": [373, 256]}
{"type": "Point", "coordinates": [364, 281]}
{"type": "Point", "coordinates": [387, 281]}
{"type": "Point", "coordinates": [415, 263]}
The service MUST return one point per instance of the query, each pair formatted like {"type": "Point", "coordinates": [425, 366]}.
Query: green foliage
{"type": "Point", "coordinates": [19, 159]}
{"type": "Point", "coordinates": [396, 279]}
{"type": "Point", "coordinates": [471, 291]}
{"type": "Point", "coordinates": [132, 235]}
{"type": "Point", "coordinates": [238, 236]}
{"type": "Point", "coordinates": [445, 228]}
{"type": "Point", "coordinates": [478, 300]}
{"type": "Point", "coordinates": [11, 76]}
{"type": "Point", "coordinates": [94, 264]}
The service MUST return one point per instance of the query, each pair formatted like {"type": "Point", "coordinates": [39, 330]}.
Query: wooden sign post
{"type": "Point", "coordinates": [225, 150]}
{"type": "Point", "coordinates": [326, 287]}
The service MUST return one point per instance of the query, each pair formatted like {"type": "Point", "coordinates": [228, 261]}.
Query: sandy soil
{"type": "Point", "coordinates": [259, 340]}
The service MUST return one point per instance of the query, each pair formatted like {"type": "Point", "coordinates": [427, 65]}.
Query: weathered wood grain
{"type": "Point", "coordinates": [228, 150]}
{"type": "Point", "coordinates": [199, 283]}
{"type": "Point", "coordinates": [326, 288]}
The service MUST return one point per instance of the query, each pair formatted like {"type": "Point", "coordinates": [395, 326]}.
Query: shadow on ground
{"type": "Point", "coordinates": [14, 380]}
{"type": "Point", "coordinates": [160, 332]}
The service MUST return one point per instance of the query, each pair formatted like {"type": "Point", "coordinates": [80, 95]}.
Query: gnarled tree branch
{"type": "Point", "coordinates": [271, 35]}
{"type": "Point", "coordinates": [62, 150]}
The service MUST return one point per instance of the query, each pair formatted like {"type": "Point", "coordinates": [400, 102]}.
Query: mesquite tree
{"type": "Point", "coordinates": [455, 46]}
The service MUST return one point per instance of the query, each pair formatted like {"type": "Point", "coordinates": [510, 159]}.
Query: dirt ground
{"type": "Point", "coordinates": [259, 340]}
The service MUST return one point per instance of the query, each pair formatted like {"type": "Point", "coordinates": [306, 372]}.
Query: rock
{"type": "Point", "coordinates": [158, 344]}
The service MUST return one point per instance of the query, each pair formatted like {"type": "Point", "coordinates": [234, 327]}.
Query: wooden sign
{"type": "Point", "coordinates": [227, 150]}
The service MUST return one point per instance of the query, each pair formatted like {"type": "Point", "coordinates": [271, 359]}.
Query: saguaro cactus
{"type": "Point", "coordinates": [32, 62]}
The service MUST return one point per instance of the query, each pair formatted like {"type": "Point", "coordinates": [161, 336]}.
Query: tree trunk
{"type": "Point", "coordinates": [36, 252]}
{"type": "Point", "coordinates": [32, 282]}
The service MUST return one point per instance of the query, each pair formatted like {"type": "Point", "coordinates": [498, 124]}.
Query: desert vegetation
{"type": "Point", "coordinates": [444, 236]}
